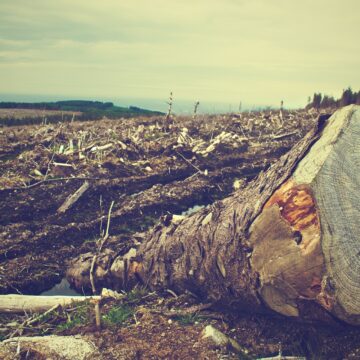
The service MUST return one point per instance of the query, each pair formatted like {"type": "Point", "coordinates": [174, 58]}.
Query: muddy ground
{"type": "Point", "coordinates": [149, 168]}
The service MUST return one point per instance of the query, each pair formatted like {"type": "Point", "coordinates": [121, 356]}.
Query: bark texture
{"type": "Point", "coordinates": [287, 242]}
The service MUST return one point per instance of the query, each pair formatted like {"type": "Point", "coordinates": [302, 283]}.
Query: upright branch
{"type": "Point", "coordinates": [196, 105]}
{"type": "Point", "coordinates": [281, 112]}
{"type": "Point", "coordinates": [170, 103]}
{"type": "Point", "coordinates": [101, 243]}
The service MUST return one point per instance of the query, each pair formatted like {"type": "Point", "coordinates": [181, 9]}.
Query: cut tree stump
{"type": "Point", "coordinates": [288, 242]}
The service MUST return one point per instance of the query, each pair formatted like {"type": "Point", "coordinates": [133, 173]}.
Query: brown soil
{"type": "Point", "coordinates": [168, 328]}
{"type": "Point", "coordinates": [148, 170]}
{"type": "Point", "coordinates": [158, 336]}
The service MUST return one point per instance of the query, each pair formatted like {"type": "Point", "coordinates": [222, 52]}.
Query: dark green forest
{"type": "Point", "coordinates": [90, 110]}
{"type": "Point", "coordinates": [322, 101]}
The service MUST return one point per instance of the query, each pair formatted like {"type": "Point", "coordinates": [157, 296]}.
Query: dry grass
{"type": "Point", "coordinates": [32, 113]}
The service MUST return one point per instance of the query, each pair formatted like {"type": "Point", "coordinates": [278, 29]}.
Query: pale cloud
{"type": "Point", "coordinates": [258, 50]}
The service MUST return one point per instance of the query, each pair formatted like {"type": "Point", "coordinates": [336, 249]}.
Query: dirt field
{"type": "Point", "coordinates": [148, 168]}
{"type": "Point", "coordinates": [32, 113]}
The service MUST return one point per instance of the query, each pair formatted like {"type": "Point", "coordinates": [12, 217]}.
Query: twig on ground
{"type": "Point", "coordinates": [189, 162]}
{"type": "Point", "coordinates": [52, 180]}
{"type": "Point", "coordinates": [73, 198]}
{"type": "Point", "coordinates": [92, 268]}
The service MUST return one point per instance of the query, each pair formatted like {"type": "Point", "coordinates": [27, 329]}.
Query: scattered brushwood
{"type": "Point", "coordinates": [58, 315]}
{"type": "Point", "coordinates": [49, 214]}
{"type": "Point", "coordinates": [164, 325]}
{"type": "Point", "coordinates": [153, 179]}
{"type": "Point", "coordinates": [57, 319]}
{"type": "Point", "coordinates": [226, 140]}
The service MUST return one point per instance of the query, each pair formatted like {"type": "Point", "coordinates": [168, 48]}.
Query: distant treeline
{"type": "Point", "coordinates": [320, 101]}
{"type": "Point", "coordinates": [90, 110]}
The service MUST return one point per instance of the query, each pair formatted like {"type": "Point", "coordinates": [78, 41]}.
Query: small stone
{"type": "Point", "coordinates": [220, 339]}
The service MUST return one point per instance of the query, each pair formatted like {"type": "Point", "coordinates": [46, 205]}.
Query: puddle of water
{"type": "Point", "coordinates": [63, 288]}
{"type": "Point", "coordinates": [192, 210]}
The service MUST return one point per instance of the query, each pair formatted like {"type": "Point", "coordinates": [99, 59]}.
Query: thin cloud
{"type": "Point", "coordinates": [258, 50]}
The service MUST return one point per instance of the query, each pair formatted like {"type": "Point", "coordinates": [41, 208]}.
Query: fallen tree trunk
{"type": "Point", "coordinates": [288, 242]}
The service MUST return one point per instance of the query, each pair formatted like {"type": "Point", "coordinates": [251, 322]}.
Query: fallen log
{"type": "Point", "coordinates": [288, 242]}
{"type": "Point", "coordinates": [21, 303]}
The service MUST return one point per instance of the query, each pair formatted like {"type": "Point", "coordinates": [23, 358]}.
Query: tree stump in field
{"type": "Point", "coordinates": [288, 242]}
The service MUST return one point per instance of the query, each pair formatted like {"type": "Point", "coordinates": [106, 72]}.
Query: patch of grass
{"type": "Point", "coordinates": [188, 319]}
{"type": "Point", "coordinates": [79, 316]}
{"type": "Point", "coordinates": [118, 315]}
{"type": "Point", "coordinates": [136, 294]}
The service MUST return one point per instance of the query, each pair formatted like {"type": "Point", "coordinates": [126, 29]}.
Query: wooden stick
{"type": "Point", "coordinates": [189, 162]}
{"type": "Point", "coordinates": [33, 320]}
{"type": "Point", "coordinates": [170, 103]}
{"type": "Point", "coordinates": [72, 199]}
{"type": "Point", "coordinates": [283, 136]}
{"type": "Point", "coordinates": [21, 303]}
{"type": "Point", "coordinates": [103, 241]}
{"type": "Point", "coordinates": [92, 268]}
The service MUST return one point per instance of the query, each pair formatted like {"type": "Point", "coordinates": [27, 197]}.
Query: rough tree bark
{"type": "Point", "coordinates": [288, 242]}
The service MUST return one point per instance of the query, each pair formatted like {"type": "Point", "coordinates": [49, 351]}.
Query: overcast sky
{"type": "Point", "coordinates": [256, 51]}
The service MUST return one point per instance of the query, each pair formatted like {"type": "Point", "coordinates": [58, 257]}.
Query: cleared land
{"type": "Point", "coordinates": [34, 113]}
{"type": "Point", "coordinates": [149, 167]}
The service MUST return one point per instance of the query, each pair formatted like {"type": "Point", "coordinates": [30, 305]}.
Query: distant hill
{"type": "Point", "coordinates": [84, 109]}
